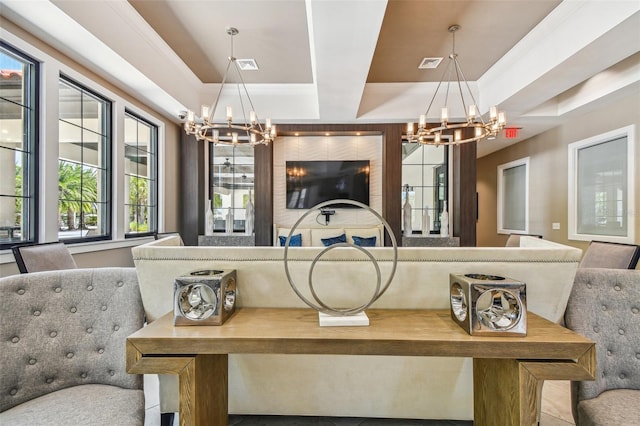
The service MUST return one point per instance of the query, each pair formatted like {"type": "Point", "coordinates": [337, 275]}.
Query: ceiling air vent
{"type": "Point", "coordinates": [429, 63]}
{"type": "Point", "coordinates": [247, 64]}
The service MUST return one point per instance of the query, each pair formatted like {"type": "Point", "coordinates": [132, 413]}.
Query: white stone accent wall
{"type": "Point", "coordinates": [327, 148]}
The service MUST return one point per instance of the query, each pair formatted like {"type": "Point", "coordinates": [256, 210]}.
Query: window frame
{"type": "Point", "coordinates": [31, 148]}
{"type": "Point", "coordinates": [213, 174]}
{"type": "Point", "coordinates": [154, 213]}
{"type": "Point", "coordinates": [440, 189]}
{"type": "Point", "coordinates": [572, 191]}
{"type": "Point", "coordinates": [502, 229]}
{"type": "Point", "coordinates": [107, 181]}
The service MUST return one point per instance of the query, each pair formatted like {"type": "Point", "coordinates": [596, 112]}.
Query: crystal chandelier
{"type": "Point", "coordinates": [245, 132]}
{"type": "Point", "coordinates": [452, 133]}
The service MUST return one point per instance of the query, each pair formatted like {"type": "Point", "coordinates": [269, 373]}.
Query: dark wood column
{"type": "Point", "coordinates": [392, 180]}
{"type": "Point", "coordinates": [192, 193]}
{"type": "Point", "coordinates": [263, 191]}
{"type": "Point", "coordinates": [464, 193]}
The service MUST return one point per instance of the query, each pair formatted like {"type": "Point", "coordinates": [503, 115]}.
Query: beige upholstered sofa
{"type": "Point", "coordinates": [312, 236]}
{"type": "Point", "coordinates": [400, 387]}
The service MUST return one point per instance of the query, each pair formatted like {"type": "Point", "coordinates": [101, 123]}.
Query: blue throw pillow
{"type": "Point", "coordinates": [364, 242]}
{"type": "Point", "coordinates": [296, 240]}
{"type": "Point", "coordinates": [334, 240]}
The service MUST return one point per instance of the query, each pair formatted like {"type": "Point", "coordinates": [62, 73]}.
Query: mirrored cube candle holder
{"type": "Point", "coordinates": [204, 297]}
{"type": "Point", "coordinates": [485, 305]}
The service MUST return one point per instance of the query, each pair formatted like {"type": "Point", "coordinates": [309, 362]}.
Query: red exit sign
{"type": "Point", "coordinates": [511, 132]}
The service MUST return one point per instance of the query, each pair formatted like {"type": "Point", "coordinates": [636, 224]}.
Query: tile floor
{"type": "Point", "coordinates": [556, 411]}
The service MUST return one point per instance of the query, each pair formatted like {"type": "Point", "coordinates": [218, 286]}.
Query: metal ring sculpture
{"type": "Point", "coordinates": [380, 289]}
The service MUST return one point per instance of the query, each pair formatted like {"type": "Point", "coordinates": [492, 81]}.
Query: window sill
{"type": "Point", "coordinates": [6, 256]}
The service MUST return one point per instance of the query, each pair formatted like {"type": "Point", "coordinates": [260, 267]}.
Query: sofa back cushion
{"type": "Point", "coordinates": [296, 240]}
{"type": "Point", "coordinates": [65, 328]}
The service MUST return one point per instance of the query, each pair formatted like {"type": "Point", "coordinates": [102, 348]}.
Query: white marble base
{"type": "Point", "coordinates": [358, 320]}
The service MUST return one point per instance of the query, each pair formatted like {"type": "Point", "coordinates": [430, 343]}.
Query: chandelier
{"type": "Point", "coordinates": [245, 132]}
{"type": "Point", "coordinates": [454, 133]}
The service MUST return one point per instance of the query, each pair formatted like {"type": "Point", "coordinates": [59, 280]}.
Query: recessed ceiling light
{"type": "Point", "coordinates": [429, 63]}
{"type": "Point", "coordinates": [248, 64]}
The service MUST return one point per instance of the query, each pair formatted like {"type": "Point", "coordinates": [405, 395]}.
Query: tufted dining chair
{"type": "Point", "coordinates": [600, 254]}
{"type": "Point", "coordinates": [63, 336]}
{"type": "Point", "coordinates": [605, 307]}
{"type": "Point", "coordinates": [43, 257]}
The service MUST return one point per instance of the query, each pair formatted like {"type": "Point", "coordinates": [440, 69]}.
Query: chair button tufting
{"type": "Point", "coordinates": [112, 373]}
{"type": "Point", "coordinates": [57, 289]}
{"type": "Point", "coordinates": [53, 334]}
{"type": "Point", "coordinates": [49, 380]}
{"type": "Point", "coordinates": [32, 361]}
{"type": "Point", "coordinates": [116, 327]}
{"type": "Point", "coordinates": [73, 310]}
{"type": "Point", "coordinates": [15, 339]}
{"type": "Point", "coordinates": [621, 331]}
{"type": "Point", "coordinates": [616, 288]}
{"type": "Point", "coordinates": [104, 307]}
{"type": "Point", "coordinates": [622, 376]}
{"type": "Point", "coordinates": [89, 287]}
{"type": "Point", "coordinates": [89, 330]}
{"type": "Point", "coordinates": [13, 391]}
{"type": "Point", "coordinates": [36, 313]}
{"type": "Point", "coordinates": [101, 350]}
{"type": "Point", "coordinates": [608, 353]}
{"type": "Point", "coordinates": [589, 285]}
{"type": "Point", "coordinates": [120, 283]}
{"type": "Point", "coordinates": [21, 291]}
{"type": "Point", "coordinates": [638, 355]}
{"type": "Point", "coordinates": [604, 307]}
{"type": "Point", "coordinates": [596, 329]}
{"type": "Point", "coordinates": [635, 310]}
{"type": "Point", "coordinates": [83, 375]}
{"type": "Point", "coordinates": [70, 355]}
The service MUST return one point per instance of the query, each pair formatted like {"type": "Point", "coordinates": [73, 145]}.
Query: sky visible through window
{"type": "Point", "coordinates": [8, 63]}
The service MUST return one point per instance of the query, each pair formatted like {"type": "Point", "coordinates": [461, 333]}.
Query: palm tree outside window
{"type": "Point", "coordinates": [84, 166]}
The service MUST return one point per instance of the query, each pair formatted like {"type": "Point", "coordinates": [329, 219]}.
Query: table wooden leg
{"type": "Point", "coordinates": [504, 393]}
{"type": "Point", "coordinates": [204, 391]}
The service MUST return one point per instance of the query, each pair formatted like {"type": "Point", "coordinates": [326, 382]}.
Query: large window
{"type": "Point", "coordinates": [84, 191]}
{"type": "Point", "coordinates": [601, 190]}
{"type": "Point", "coordinates": [231, 178]}
{"type": "Point", "coordinates": [513, 197]}
{"type": "Point", "coordinates": [18, 154]}
{"type": "Point", "coordinates": [141, 163]}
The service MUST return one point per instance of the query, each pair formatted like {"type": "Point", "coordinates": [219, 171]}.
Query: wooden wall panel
{"type": "Point", "coordinates": [391, 160]}
{"type": "Point", "coordinates": [464, 193]}
{"type": "Point", "coordinates": [263, 194]}
{"type": "Point", "coordinates": [463, 190]}
{"type": "Point", "coordinates": [192, 193]}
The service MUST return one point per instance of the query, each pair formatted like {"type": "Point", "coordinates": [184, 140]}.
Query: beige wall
{"type": "Point", "coordinates": [548, 154]}
{"type": "Point", "coordinates": [120, 256]}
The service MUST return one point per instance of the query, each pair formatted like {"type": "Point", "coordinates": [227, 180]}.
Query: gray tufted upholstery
{"type": "Point", "coordinates": [62, 337]}
{"type": "Point", "coordinates": [605, 306]}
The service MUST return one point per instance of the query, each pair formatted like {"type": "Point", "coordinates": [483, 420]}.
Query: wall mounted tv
{"type": "Point", "coordinates": [313, 182]}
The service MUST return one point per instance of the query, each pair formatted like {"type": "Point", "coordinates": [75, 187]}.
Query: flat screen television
{"type": "Point", "coordinates": [313, 182]}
